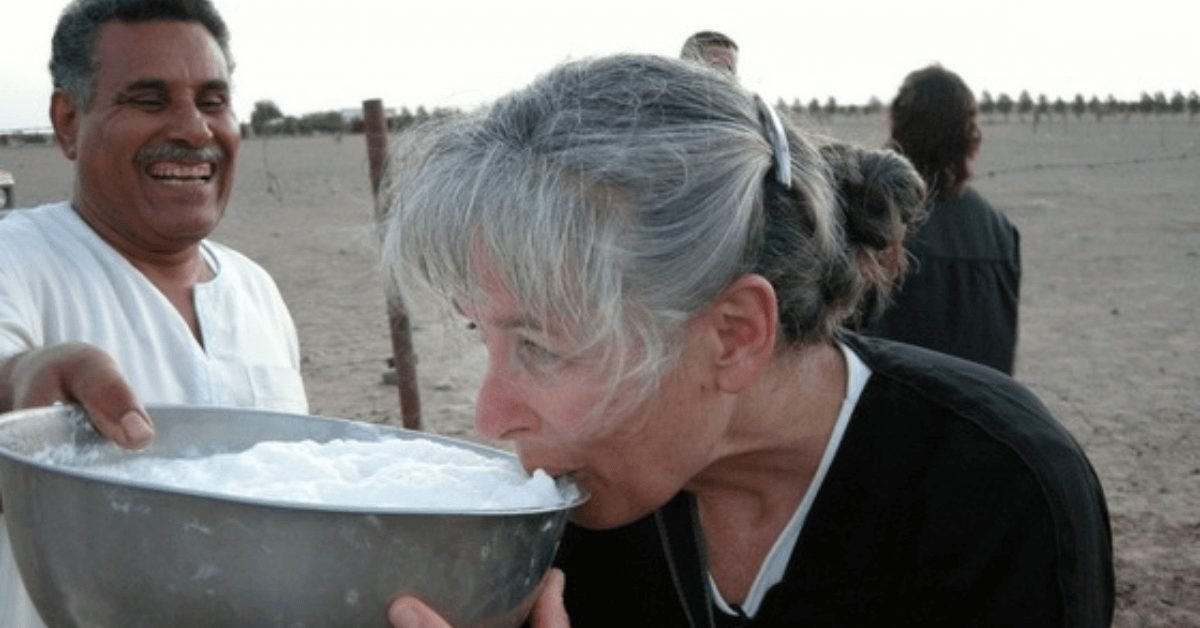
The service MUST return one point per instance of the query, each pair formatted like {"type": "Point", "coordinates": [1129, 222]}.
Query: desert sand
{"type": "Point", "coordinates": [1110, 223]}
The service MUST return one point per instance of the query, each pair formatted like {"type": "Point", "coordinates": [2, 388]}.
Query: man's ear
{"type": "Point", "coordinates": [64, 115]}
{"type": "Point", "coordinates": [745, 318]}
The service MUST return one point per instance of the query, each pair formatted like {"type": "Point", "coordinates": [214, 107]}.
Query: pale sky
{"type": "Point", "coordinates": [318, 55]}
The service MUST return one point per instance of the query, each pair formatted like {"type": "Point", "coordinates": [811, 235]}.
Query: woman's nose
{"type": "Point", "coordinates": [501, 412]}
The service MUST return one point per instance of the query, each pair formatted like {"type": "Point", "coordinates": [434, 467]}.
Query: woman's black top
{"type": "Point", "coordinates": [961, 294]}
{"type": "Point", "coordinates": [955, 499]}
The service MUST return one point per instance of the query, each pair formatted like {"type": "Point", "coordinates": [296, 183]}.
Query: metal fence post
{"type": "Point", "coordinates": [404, 359]}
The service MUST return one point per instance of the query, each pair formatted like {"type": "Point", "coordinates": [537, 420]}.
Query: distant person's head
{"type": "Point", "coordinates": [712, 48]}
{"type": "Point", "coordinates": [933, 123]}
{"type": "Point", "coordinates": [142, 104]}
{"type": "Point", "coordinates": [608, 229]}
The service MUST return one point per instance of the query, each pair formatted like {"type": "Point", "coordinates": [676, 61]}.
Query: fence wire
{"type": "Point", "coordinates": [1191, 153]}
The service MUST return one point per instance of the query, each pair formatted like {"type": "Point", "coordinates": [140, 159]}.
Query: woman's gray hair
{"type": "Point", "coordinates": [617, 198]}
{"type": "Point", "coordinates": [72, 55]}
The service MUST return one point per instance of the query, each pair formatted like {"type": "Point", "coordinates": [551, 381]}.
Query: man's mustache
{"type": "Point", "coordinates": [176, 152]}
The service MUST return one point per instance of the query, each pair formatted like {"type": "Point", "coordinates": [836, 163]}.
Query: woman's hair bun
{"type": "Point", "coordinates": [881, 200]}
{"type": "Point", "coordinates": [877, 191]}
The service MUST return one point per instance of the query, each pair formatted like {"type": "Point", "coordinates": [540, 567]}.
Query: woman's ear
{"type": "Point", "coordinates": [745, 318]}
{"type": "Point", "coordinates": [64, 115]}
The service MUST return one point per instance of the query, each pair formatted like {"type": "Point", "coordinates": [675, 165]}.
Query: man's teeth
{"type": "Point", "coordinates": [181, 171]}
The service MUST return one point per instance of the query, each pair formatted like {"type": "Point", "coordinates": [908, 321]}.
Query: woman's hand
{"type": "Point", "coordinates": [548, 610]}
{"type": "Point", "coordinates": [81, 373]}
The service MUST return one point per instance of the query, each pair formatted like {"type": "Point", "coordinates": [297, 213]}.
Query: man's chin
{"type": "Point", "coordinates": [186, 230]}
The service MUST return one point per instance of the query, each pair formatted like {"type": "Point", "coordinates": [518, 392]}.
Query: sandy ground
{"type": "Point", "coordinates": [1110, 229]}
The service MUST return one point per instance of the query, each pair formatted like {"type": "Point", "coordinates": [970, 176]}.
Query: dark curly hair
{"type": "Point", "coordinates": [933, 124]}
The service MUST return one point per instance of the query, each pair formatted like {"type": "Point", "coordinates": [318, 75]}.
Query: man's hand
{"type": "Point", "coordinates": [548, 611]}
{"type": "Point", "coordinates": [81, 373]}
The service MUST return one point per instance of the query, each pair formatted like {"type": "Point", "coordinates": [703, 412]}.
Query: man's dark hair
{"type": "Point", "coordinates": [695, 45]}
{"type": "Point", "coordinates": [72, 59]}
{"type": "Point", "coordinates": [933, 124]}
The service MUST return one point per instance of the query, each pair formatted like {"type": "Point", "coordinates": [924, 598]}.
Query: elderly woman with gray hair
{"type": "Point", "coordinates": [660, 268]}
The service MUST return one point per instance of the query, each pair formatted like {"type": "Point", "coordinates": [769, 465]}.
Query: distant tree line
{"type": "Point", "coordinates": [267, 119]}
{"type": "Point", "coordinates": [1156, 104]}
{"type": "Point", "coordinates": [1004, 106]}
{"type": "Point", "coordinates": [22, 138]}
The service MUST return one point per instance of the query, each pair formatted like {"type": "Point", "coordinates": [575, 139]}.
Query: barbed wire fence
{"type": "Point", "coordinates": [1191, 153]}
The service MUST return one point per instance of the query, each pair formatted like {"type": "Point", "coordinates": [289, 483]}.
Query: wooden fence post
{"type": "Point", "coordinates": [404, 359]}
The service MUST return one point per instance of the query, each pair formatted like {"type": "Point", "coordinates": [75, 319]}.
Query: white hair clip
{"type": "Point", "coordinates": [779, 144]}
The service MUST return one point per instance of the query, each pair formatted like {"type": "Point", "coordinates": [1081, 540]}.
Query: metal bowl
{"type": "Point", "coordinates": [94, 551]}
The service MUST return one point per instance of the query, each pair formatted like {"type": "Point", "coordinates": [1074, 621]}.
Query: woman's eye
{"type": "Point", "coordinates": [535, 355]}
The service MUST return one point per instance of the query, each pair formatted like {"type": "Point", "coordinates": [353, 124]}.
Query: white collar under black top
{"type": "Point", "coordinates": [773, 567]}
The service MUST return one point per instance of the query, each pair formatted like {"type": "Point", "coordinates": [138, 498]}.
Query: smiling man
{"type": "Point", "coordinates": [117, 297]}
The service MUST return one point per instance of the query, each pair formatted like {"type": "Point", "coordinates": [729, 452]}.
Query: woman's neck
{"type": "Point", "coordinates": [770, 455]}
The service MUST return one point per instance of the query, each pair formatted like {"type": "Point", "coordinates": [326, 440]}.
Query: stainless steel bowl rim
{"type": "Point", "coordinates": [101, 478]}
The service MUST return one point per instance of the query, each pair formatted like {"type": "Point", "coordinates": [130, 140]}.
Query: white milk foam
{"type": "Point", "coordinates": [392, 473]}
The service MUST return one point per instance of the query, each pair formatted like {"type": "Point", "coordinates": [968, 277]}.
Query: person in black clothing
{"type": "Point", "coordinates": [962, 293]}
{"type": "Point", "coordinates": [659, 268]}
